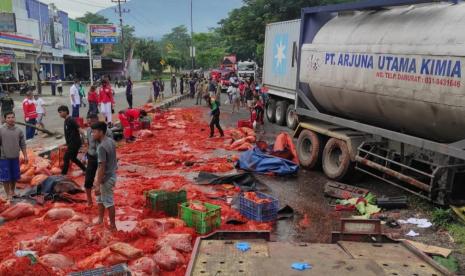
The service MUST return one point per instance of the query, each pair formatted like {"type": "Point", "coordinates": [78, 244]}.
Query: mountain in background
{"type": "Point", "coordinates": [154, 18]}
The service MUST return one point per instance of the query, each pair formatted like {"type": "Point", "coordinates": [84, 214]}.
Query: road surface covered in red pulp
{"type": "Point", "coordinates": [150, 243]}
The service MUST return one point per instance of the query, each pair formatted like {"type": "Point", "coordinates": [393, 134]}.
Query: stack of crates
{"type": "Point", "coordinates": [202, 222]}
{"type": "Point", "coordinates": [259, 211]}
{"type": "Point", "coordinates": [165, 201]}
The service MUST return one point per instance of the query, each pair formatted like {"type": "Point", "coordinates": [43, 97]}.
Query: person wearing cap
{"type": "Point", "coordinates": [30, 114]}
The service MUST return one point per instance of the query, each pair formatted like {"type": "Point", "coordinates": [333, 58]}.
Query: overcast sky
{"type": "Point", "coordinates": [77, 8]}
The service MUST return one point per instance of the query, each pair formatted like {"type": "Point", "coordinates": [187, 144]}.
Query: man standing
{"type": "Point", "coordinates": [106, 173]}
{"type": "Point", "coordinates": [59, 85]}
{"type": "Point", "coordinates": [181, 84]}
{"type": "Point", "coordinates": [129, 92]}
{"type": "Point", "coordinates": [174, 85]}
{"type": "Point", "coordinates": [39, 102]}
{"type": "Point", "coordinates": [30, 115]}
{"type": "Point", "coordinates": [162, 88]}
{"type": "Point", "coordinates": [156, 89]}
{"type": "Point", "coordinates": [106, 101]}
{"type": "Point", "coordinates": [53, 85]}
{"type": "Point", "coordinates": [11, 143]}
{"type": "Point", "coordinates": [215, 113]}
{"type": "Point", "coordinates": [92, 161]}
{"type": "Point", "coordinates": [75, 98]}
{"type": "Point", "coordinates": [192, 83]}
{"type": "Point", "coordinates": [73, 140]}
{"type": "Point", "coordinates": [7, 104]}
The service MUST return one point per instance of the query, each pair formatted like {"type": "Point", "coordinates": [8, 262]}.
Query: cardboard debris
{"type": "Point", "coordinates": [430, 249]}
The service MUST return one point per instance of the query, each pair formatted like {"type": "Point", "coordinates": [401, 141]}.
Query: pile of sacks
{"type": "Point", "coordinates": [36, 170]}
{"type": "Point", "coordinates": [242, 139]}
{"type": "Point", "coordinates": [171, 250]}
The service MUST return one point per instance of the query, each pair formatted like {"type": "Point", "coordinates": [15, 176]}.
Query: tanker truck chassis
{"type": "Point", "coordinates": [356, 112]}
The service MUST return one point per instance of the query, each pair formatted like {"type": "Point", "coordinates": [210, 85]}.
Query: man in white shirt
{"type": "Point", "coordinates": [40, 109]}
{"type": "Point", "coordinates": [75, 99]}
{"type": "Point", "coordinates": [59, 85]}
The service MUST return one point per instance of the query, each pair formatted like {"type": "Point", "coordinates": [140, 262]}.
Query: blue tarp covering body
{"type": "Point", "coordinates": [255, 160]}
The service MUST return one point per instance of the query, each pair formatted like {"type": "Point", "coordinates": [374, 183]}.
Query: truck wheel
{"type": "Point", "coordinates": [336, 159]}
{"type": "Point", "coordinates": [309, 147]}
{"type": "Point", "coordinates": [281, 110]}
{"type": "Point", "coordinates": [291, 117]}
{"type": "Point", "coordinates": [271, 111]}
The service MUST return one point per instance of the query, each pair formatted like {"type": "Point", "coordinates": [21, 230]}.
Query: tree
{"type": "Point", "coordinates": [209, 49]}
{"type": "Point", "coordinates": [149, 51]}
{"type": "Point", "coordinates": [93, 18]}
{"type": "Point", "coordinates": [175, 47]}
{"type": "Point", "coordinates": [244, 29]}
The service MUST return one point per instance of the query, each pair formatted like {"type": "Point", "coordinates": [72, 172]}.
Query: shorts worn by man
{"type": "Point", "coordinates": [11, 143]}
{"type": "Point", "coordinates": [106, 172]}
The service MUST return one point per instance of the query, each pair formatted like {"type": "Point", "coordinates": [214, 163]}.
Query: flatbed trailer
{"type": "Point", "coordinates": [358, 254]}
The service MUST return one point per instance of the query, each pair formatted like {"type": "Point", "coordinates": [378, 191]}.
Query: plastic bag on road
{"type": "Point", "coordinates": [56, 261]}
{"type": "Point", "coordinates": [180, 242]}
{"type": "Point", "coordinates": [168, 259]}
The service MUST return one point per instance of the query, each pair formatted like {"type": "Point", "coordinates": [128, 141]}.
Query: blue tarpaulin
{"type": "Point", "coordinates": [255, 160]}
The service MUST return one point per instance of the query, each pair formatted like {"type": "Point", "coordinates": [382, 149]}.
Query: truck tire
{"type": "Point", "coordinates": [281, 111]}
{"type": "Point", "coordinates": [309, 147]}
{"type": "Point", "coordinates": [336, 159]}
{"type": "Point", "coordinates": [271, 111]}
{"type": "Point", "coordinates": [291, 117]}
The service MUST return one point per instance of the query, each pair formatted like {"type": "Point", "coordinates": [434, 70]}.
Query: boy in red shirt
{"type": "Point", "coordinates": [106, 101]}
{"type": "Point", "coordinates": [30, 115]}
{"type": "Point", "coordinates": [92, 97]}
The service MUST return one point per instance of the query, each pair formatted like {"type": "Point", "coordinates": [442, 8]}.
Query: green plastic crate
{"type": "Point", "coordinates": [165, 201]}
{"type": "Point", "coordinates": [202, 222]}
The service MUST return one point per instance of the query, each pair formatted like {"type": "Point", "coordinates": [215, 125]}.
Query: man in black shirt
{"type": "Point", "coordinates": [73, 140]}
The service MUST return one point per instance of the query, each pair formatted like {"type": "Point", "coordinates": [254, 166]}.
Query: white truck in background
{"type": "Point", "coordinates": [247, 69]}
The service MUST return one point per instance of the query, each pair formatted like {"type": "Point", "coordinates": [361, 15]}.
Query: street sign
{"type": "Point", "coordinates": [104, 40]}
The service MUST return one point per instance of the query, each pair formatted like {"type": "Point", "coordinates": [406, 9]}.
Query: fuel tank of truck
{"type": "Point", "coordinates": [400, 69]}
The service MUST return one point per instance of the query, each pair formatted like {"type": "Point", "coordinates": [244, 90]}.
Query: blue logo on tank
{"type": "Point", "coordinates": [280, 48]}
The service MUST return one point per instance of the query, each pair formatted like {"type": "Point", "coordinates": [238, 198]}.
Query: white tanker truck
{"type": "Point", "coordinates": [376, 86]}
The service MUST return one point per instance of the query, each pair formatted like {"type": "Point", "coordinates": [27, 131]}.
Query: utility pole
{"type": "Point", "coordinates": [192, 50]}
{"type": "Point", "coordinates": [120, 12]}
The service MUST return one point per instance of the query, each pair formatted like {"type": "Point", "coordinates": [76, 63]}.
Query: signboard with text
{"type": "Point", "coordinates": [97, 62]}
{"type": "Point", "coordinates": [80, 39]}
{"type": "Point", "coordinates": [5, 63]}
{"type": "Point", "coordinates": [7, 22]}
{"type": "Point", "coordinates": [103, 34]}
